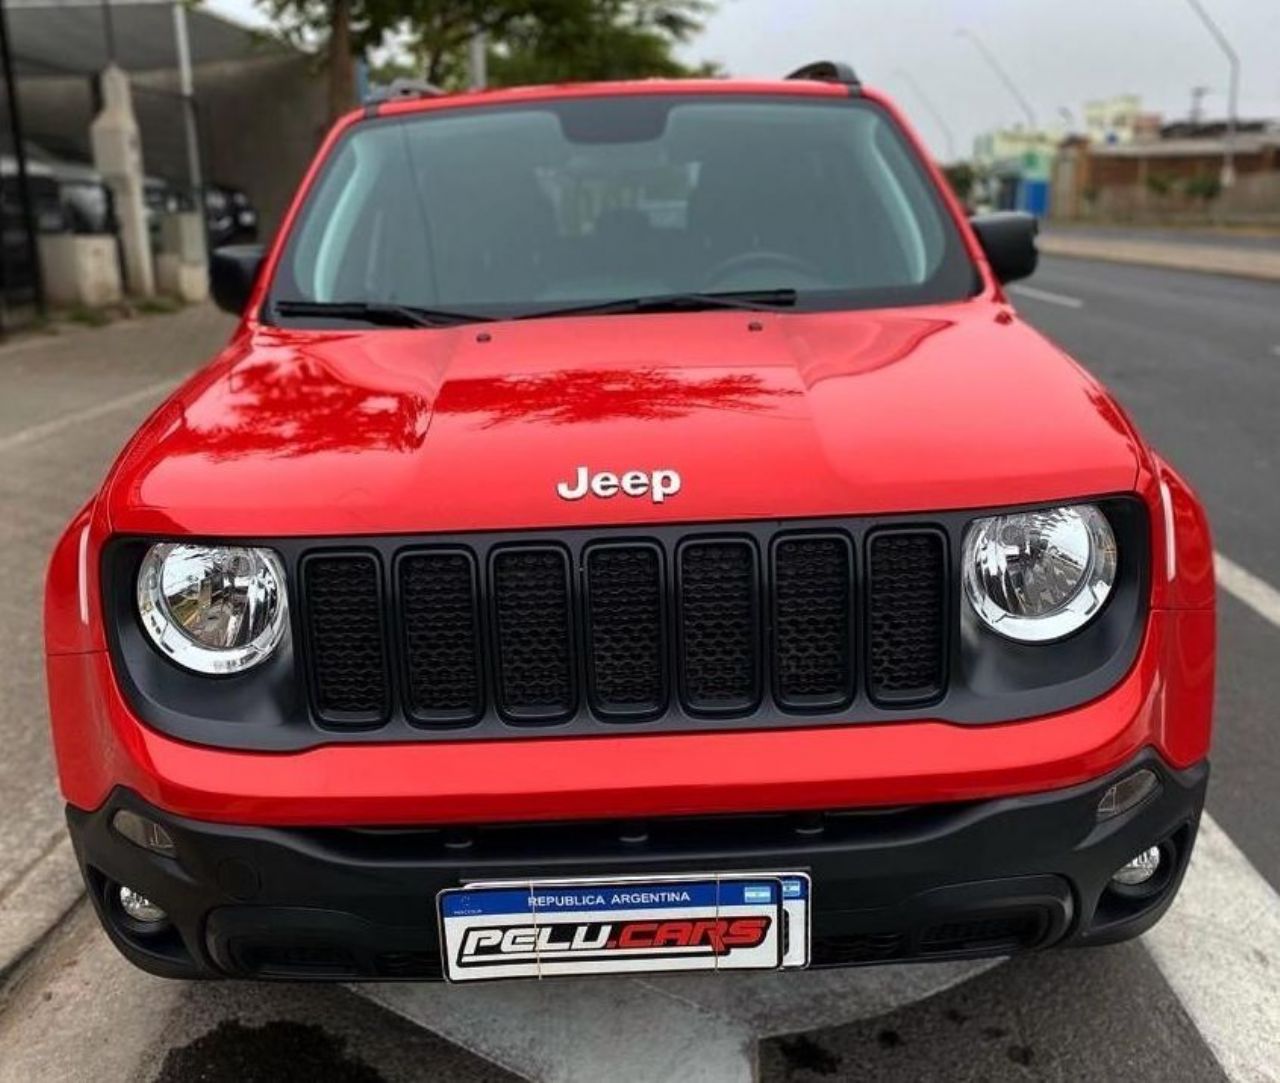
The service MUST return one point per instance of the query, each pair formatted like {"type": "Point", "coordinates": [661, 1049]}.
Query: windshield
{"type": "Point", "coordinates": [520, 210]}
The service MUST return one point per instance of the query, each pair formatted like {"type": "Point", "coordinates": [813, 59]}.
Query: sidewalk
{"type": "Point", "coordinates": [70, 401]}
{"type": "Point", "coordinates": [1245, 255]}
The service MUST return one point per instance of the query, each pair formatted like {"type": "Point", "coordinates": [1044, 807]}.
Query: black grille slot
{"type": "Point", "coordinates": [626, 624]}
{"type": "Point", "coordinates": [441, 634]}
{"type": "Point", "coordinates": [906, 616]}
{"type": "Point", "coordinates": [345, 641]}
{"type": "Point", "coordinates": [812, 622]}
{"type": "Point", "coordinates": [531, 604]}
{"type": "Point", "coordinates": [719, 626]}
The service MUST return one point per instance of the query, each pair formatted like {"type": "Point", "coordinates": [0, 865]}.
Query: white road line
{"type": "Point", "coordinates": [1244, 586]}
{"type": "Point", "coordinates": [1045, 295]}
{"type": "Point", "coordinates": [1219, 945]}
{"type": "Point", "coordinates": [52, 427]}
{"type": "Point", "coordinates": [1219, 949]}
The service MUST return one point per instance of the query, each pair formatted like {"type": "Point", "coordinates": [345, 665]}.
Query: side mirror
{"type": "Point", "coordinates": [232, 271]}
{"type": "Point", "coordinates": [1009, 240]}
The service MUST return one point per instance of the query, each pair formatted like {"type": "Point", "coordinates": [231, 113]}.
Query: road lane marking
{"type": "Point", "coordinates": [53, 426]}
{"type": "Point", "coordinates": [1045, 295]}
{"type": "Point", "coordinates": [1218, 947]}
{"type": "Point", "coordinates": [1276, 350]}
{"type": "Point", "coordinates": [1244, 586]}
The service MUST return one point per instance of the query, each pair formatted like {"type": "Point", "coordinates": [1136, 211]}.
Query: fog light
{"type": "Point", "coordinates": [1140, 869]}
{"type": "Point", "coordinates": [143, 832]}
{"type": "Point", "coordinates": [141, 909]}
{"type": "Point", "coordinates": [1127, 793]}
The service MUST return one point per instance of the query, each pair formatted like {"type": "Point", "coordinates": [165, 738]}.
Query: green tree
{"type": "Point", "coordinates": [600, 39]}
{"type": "Point", "coordinates": [345, 29]}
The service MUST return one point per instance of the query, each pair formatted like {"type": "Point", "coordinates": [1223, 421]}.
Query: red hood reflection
{"type": "Point", "coordinates": [306, 432]}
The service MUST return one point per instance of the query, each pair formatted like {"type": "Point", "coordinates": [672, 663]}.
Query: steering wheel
{"type": "Point", "coordinates": [764, 260]}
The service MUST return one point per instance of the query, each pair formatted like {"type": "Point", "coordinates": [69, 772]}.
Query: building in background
{"type": "Point", "coordinates": [1119, 120]}
{"type": "Point", "coordinates": [1014, 167]}
{"type": "Point", "coordinates": [1176, 177]}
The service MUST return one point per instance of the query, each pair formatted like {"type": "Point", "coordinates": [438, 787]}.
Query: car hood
{"type": "Point", "coordinates": [763, 415]}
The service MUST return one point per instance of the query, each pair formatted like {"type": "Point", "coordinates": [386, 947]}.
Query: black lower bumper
{"type": "Point", "coordinates": [924, 882]}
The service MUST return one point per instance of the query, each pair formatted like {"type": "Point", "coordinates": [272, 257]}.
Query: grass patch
{"type": "Point", "coordinates": [90, 317]}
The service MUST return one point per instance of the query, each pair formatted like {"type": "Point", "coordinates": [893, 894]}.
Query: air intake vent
{"type": "Point", "coordinates": [439, 613]}
{"type": "Point", "coordinates": [346, 647]}
{"type": "Point", "coordinates": [626, 630]}
{"type": "Point", "coordinates": [813, 622]}
{"type": "Point", "coordinates": [531, 604]}
{"type": "Point", "coordinates": [719, 626]}
{"type": "Point", "coordinates": [906, 616]}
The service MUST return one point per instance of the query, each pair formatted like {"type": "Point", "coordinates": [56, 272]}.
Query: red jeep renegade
{"type": "Point", "coordinates": [630, 530]}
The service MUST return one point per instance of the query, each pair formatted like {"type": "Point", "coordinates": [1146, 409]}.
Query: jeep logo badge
{"type": "Point", "coordinates": [657, 486]}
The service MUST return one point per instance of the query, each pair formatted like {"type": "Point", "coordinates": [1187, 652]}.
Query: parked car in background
{"type": "Point", "coordinates": [18, 271]}
{"type": "Point", "coordinates": [232, 218]}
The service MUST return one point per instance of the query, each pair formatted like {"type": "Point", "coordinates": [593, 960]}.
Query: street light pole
{"type": "Point", "coordinates": [1001, 74]}
{"type": "Point", "coordinates": [1233, 94]}
{"type": "Point", "coordinates": [943, 126]}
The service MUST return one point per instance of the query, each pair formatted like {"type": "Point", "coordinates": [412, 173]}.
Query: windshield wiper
{"type": "Point", "coordinates": [380, 312]}
{"type": "Point", "coordinates": [751, 300]}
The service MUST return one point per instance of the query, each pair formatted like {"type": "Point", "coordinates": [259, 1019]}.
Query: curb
{"type": "Point", "coordinates": [1204, 258]}
{"type": "Point", "coordinates": [37, 901]}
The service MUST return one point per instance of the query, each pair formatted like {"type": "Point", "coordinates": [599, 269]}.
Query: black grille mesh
{"type": "Point", "coordinates": [524, 633]}
{"type": "Point", "coordinates": [345, 640]}
{"type": "Point", "coordinates": [625, 625]}
{"type": "Point", "coordinates": [812, 585]}
{"type": "Point", "coordinates": [531, 610]}
{"type": "Point", "coordinates": [719, 625]}
{"type": "Point", "coordinates": [440, 624]}
{"type": "Point", "coordinates": [906, 606]}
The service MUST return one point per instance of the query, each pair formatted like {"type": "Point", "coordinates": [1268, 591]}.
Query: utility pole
{"type": "Point", "coordinates": [1001, 74]}
{"type": "Point", "coordinates": [20, 161]}
{"type": "Point", "coordinates": [478, 60]}
{"type": "Point", "coordinates": [943, 126]}
{"type": "Point", "coordinates": [1198, 94]}
{"type": "Point", "coordinates": [1233, 94]}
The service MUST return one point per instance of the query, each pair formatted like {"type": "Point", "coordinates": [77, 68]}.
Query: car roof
{"type": "Point", "coordinates": [428, 99]}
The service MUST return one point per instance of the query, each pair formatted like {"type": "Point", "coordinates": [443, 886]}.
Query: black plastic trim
{"type": "Point", "coordinates": [345, 719]}
{"type": "Point", "coordinates": [666, 647]}
{"type": "Point", "coordinates": [884, 880]}
{"type": "Point", "coordinates": [742, 705]}
{"type": "Point", "coordinates": [842, 699]}
{"type": "Point", "coordinates": [950, 578]}
{"type": "Point", "coordinates": [524, 715]}
{"type": "Point", "coordinates": [438, 719]}
{"type": "Point", "coordinates": [990, 678]}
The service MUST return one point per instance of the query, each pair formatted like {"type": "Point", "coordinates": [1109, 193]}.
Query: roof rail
{"type": "Point", "coordinates": [827, 71]}
{"type": "Point", "coordinates": [399, 89]}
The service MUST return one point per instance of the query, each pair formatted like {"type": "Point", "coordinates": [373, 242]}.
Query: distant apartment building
{"type": "Point", "coordinates": [1014, 166]}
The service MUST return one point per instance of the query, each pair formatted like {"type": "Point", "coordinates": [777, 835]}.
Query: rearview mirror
{"type": "Point", "coordinates": [1009, 240]}
{"type": "Point", "coordinates": [232, 272]}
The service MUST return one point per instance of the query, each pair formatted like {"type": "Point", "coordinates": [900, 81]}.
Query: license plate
{"type": "Point", "coordinates": [625, 925]}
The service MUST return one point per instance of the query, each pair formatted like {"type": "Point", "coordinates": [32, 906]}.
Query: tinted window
{"type": "Point", "coordinates": [512, 209]}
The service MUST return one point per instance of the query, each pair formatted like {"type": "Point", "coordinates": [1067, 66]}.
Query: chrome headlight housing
{"type": "Point", "coordinates": [1037, 576]}
{"type": "Point", "coordinates": [215, 609]}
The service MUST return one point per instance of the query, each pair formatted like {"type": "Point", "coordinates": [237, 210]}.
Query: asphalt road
{"type": "Point", "coordinates": [1195, 359]}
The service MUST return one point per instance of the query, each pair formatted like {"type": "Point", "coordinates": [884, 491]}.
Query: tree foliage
{"type": "Point", "coordinates": [599, 39]}
{"type": "Point", "coordinates": [528, 40]}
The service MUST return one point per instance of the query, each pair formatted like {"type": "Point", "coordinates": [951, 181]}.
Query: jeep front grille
{"type": "Point", "coordinates": [694, 628]}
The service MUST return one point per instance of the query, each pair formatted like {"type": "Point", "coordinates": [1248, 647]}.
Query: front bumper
{"type": "Point", "coordinates": [917, 882]}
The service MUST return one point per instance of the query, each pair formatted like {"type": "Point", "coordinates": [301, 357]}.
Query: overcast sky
{"type": "Point", "coordinates": [1060, 53]}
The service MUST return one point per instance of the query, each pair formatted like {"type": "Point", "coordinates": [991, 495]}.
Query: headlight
{"type": "Point", "coordinates": [1040, 575]}
{"type": "Point", "coordinates": [213, 608]}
